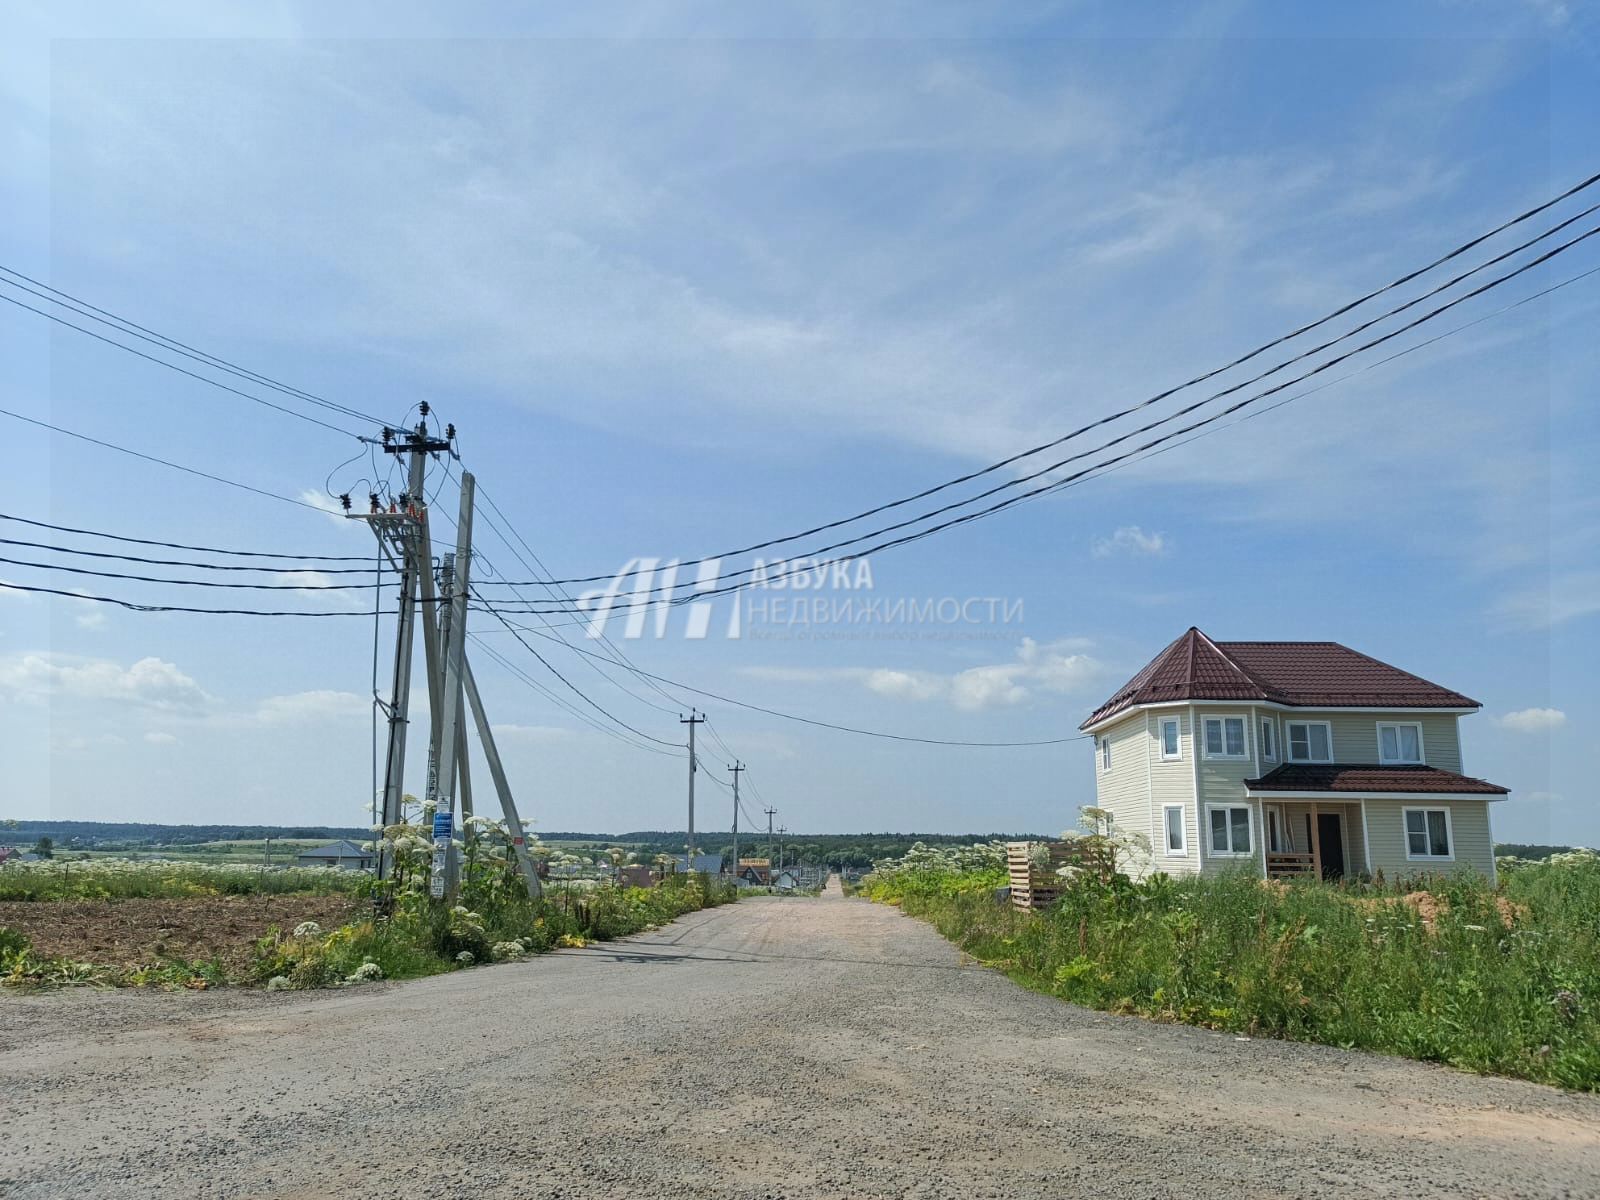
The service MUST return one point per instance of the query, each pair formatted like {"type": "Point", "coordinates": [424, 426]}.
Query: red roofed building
{"type": "Point", "coordinates": [1293, 758]}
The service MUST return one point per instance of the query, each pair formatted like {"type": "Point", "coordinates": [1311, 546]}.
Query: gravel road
{"type": "Point", "coordinates": [779, 1047]}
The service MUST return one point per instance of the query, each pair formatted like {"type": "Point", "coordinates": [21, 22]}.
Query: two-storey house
{"type": "Point", "coordinates": [1291, 757]}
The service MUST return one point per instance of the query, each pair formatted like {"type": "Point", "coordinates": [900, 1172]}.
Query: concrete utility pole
{"type": "Point", "coordinates": [402, 532]}
{"type": "Point", "coordinates": [782, 829]}
{"type": "Point", "coordinates": [736, 768]}
{"type": "Point", "coordinates": [770, 813]}
{"type": "Point", "coordinates": [691, 721]}
{"type": "Point", "coordinates": [452, 649]}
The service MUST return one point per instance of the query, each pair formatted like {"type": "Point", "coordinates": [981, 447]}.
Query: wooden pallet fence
{"type": "Point", "coordinates": [1037, 887]}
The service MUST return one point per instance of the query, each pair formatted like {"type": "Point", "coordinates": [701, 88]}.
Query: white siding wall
{"type": "Point", "coordinates": [1355, 735]}
{"type": "Point", "coordinates": [1221, 781]}
{"type": "Point", "coordinates": [1469, 831]}
{"type": "Point", "coordinates": [1123, 791]}
{"type": "Point", "coordinates": [1172, 782]}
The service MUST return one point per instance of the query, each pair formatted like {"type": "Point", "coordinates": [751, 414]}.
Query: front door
{"type": "Point", "coordinates": [1330, 834]}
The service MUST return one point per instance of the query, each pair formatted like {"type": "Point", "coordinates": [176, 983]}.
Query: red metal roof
{"type": "Point", "coordinates": [1299, 674]}
{"type": "Point", "coordinates": [1365, 778]}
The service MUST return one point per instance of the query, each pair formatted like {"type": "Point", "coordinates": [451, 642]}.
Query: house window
{"type": "Point", "coordinates": [1399, 743]}
{"type": "Point", "coordinates": [1225, 737]}
{"type": "Point", "coordinates": [1105, 754]}
{"type": "Point", "coordinates": [1170, 748]}
{"type": "Point", "coordinates": [1428, 833]}
{"type": "Point", "coordinates": [1230, 829]}
{"type": "Point", "coordinates": [1269, 743]}
{"type": "Point", "coordinates": [1177, 838]}
{"type": "Point", "coordinates": [1310, 741]}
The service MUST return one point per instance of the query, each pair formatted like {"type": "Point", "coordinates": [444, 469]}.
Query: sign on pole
{"type": "Point", "coordinates": [443, 829]}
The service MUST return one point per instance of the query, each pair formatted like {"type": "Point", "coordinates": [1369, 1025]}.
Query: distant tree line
{"type": "Point", "coordinates": [1528, 850]}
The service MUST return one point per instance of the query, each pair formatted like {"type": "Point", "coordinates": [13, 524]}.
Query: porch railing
{"type": "Point", "coordinates": [1283, 865]}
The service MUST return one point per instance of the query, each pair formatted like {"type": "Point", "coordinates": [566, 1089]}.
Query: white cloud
{"type": "Point", "coordinates": [1568, 596]}
{"type": "Point", "coordinates": [158, 738]}
{"type": "Point", "coordinates": [531, 733]}
{"type": "Point", "coordinates": [1056, 667]}
{"type": "Point", "coordinates": [317, 705]}
{"type": "Point", "coordinates": [1130, 539]}
{"type": "Point", "coordinates": [1534, 720]}
{"type": "Point", "coordinates": [93, 614]}
{"type": "Point", "coordinates": [149, 683]}
{"type": "Point", "coordinates": [318, 498]}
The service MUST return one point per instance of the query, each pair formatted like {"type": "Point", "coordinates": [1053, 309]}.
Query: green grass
{"type": "Point", "coordinates": [1503, 981]}
{"type": "Point", "coordinates": [429, 938]}
{"type": "Point", "coordinates": [115, 879]}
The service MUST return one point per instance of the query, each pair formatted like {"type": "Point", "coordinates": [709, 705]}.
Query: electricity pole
{"type": "Point", "coordinates": [782, 829]}
{"type": "Point", "coordinates": [769, 813]}
{"type": "Point", "coordinates": [691, 721]}
{"type": "Point", "coordinates": [402, 532]}
{"type": "Point", "coordinates": [736, 768]}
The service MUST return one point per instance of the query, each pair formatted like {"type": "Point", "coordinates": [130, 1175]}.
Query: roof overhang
{"type": "Point", "coordinates": [1352, 797]}
{"type": "Point", "coordinates": [1276, 706]}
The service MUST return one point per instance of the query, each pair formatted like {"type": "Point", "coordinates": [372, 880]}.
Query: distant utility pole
{"type": "Point", "coordinates": [770, 813]}
{"type": "Point", "coordinates": [691, 721]}
{"type": "Point", "coordinates": [736, 768]}
{"type": "Point", "coordinates": [782, 829]}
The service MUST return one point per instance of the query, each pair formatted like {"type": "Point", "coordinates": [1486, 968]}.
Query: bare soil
{"type": "Point", "coordinates": [133, 932]}
{"type": "Point", "coordinates": [779, 1047]}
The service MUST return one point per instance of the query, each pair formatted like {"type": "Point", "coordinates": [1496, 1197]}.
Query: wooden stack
{"type": "Point", "coordinates": [1034, 888]}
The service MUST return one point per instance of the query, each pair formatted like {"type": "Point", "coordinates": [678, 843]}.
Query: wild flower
{"type": "Point", "coordinates": [465, 958]}
{"type": "Point", "coordinates": [365, 973]}
{"type": "Point", "coordinates": [508, 950]}
{"type": "Point", "coordinates": [307, 929]}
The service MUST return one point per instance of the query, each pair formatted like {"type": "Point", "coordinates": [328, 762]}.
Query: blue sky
{"type": "Point", "coordinates": [689, 276]}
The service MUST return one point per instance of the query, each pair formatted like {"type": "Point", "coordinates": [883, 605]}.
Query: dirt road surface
{"type": "Point", "coordinates": [780, 1047]}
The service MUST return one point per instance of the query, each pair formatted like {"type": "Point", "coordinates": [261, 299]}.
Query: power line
{"type": "Point", "coordinates": [161, 462]}
{"type": "Point", "coordinates": [205, 583]}
{"type": "Point", "coordinates": [570, 685]}
{"type": "Point", "coordinates": [122, 325]}
{"type": "Point", "coordinates": [118, 537]}
{"type": "Point", "coordinates": [1340, 311]}
{"type": "Point", "coordinates": [566, 706]}
{"type": "Point", "coordinates": [180, 370]}
{"type": "Point", "coordinates": [702, 592]}
{"type": "Point", "coordinates": [171, 562]}
{"type": "Point", "coordinates": [179, 608]}
{"type": "Point", "coordinates": [772, 712]}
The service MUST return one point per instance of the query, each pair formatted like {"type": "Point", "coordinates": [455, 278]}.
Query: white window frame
{"type": "Point", "coordinates": [1105, 752]}
{"type": "Point", "coordinates": [1250, 829]}
{"type": "Point", "coordinates": [1268, 739]}
{"type": "Point", "coordinates": [1288, 742]}
{"type": "Point", "coordinates": [1222, 720]}
{"type": "Point", "coordinates": [1422, 753]}
{"type": "Point", "coordinates": [1177, 738]}
{"type": "Point", "coordinates": [1449, 832]}
{"type": "Point", "coordinates": [1183, 831]}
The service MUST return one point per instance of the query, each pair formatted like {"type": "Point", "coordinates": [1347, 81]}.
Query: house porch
{"type": "Point", "coordinates": [1314, 838]}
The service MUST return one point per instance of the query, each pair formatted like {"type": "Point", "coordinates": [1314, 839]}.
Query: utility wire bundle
{"type": "Point", "coordinates": [1374, 334]}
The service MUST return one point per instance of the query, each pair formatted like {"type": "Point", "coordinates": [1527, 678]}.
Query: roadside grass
{"type": "Point", "coordinates": [1444, 969]}
{"type": "Point", "coordinates": [116, 879]}
{"type": "Point", "coordinates": [417, 937]}
{"type": "Point", "coordinates": [429, 939]}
